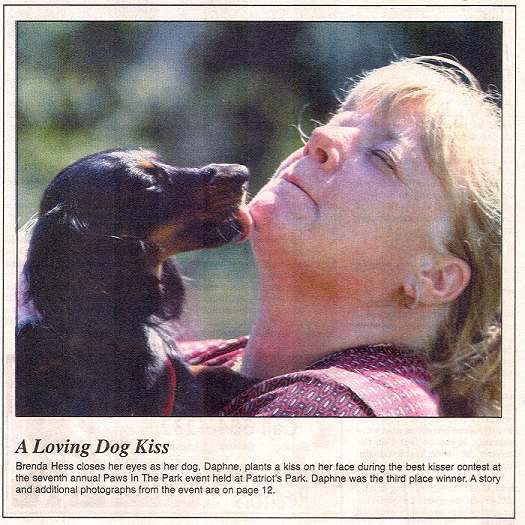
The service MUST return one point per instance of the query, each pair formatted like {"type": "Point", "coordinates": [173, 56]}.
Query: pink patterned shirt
{"type": "Point", "coordinates": [374, 381]}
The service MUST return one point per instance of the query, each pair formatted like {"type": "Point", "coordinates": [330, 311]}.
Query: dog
{"type": "Point", "coordinates": [106, 294]}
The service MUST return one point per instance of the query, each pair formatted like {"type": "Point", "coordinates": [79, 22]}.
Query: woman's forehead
{"type": "Point", "coordinates": [402, 126]}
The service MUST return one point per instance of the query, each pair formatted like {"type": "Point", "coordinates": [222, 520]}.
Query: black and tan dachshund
{"type": "Point", "coordinates": [99, 277]}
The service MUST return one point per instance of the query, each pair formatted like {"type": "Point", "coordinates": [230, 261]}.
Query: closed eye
{"type": "Point", "coordinates": [385, 159]}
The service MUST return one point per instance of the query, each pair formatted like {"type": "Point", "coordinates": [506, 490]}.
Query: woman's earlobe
{"type": "Point", "coordinates": [444, 281]}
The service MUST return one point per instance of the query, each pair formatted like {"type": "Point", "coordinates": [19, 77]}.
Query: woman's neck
{"type": "Point", "coordinates": [297, 325]}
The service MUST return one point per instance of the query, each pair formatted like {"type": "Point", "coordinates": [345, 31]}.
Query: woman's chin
{"type": "Point", "coordinates": [263, 208]}
{"type": "Point", "coordinates": [276, 236]}
{"type": "Point", "coordinates": [281, 205]}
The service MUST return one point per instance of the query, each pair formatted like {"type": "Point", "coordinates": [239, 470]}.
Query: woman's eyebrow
{"type": "Point", "coordinates": [380, 124]}
{"type": "Point", "coordinates": [345, 118]}
{"type": "Point", "coordinates": [380, 127]}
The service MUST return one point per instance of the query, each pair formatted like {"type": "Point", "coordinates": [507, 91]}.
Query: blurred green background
{"type": "Point", "coordinates": [201, 92]}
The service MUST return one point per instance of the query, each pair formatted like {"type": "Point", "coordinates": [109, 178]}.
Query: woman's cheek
{"type": "Point", "coordinates": [263, 205]}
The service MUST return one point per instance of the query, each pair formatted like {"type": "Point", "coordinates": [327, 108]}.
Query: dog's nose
{"type": "Point", "coordinates": [236, 173]}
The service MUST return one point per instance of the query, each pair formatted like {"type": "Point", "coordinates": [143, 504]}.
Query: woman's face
{"type": "Point", "coordinates": [358, 202]}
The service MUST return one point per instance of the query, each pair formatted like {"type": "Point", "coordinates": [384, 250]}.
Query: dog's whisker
{"type": "Point", "coordinates": [233, 226]}
{"type": "Point", "coordinates": [221, 235]}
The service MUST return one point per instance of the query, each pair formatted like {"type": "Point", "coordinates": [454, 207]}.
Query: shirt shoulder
{"type": "Point", "coordinates": [351, 383]}
{"type": "Point", "coordinates": [306, 393]}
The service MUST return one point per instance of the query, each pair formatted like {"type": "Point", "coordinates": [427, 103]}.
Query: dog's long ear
{"type": "Point", "coordinates": [58, 246]}
{"type": "Point", "coordinates": [44, 266]}
{"type": "Point", "coordinates": [76, 273]}
{"type": "Point", "coordinates": [172, 292]}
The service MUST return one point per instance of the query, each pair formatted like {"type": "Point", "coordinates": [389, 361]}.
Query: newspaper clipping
{"type": "Point", "coordinates": [253, 262]}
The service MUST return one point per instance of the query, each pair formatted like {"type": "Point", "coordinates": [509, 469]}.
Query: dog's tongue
{"type": "Point", "coordinates": [245, 221]}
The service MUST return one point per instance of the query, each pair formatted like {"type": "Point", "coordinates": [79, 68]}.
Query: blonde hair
{"type": "Point", "coordinates": [460, 127]}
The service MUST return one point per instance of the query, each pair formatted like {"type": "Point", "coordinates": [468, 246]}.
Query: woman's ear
{"type": "Point", "coordinates": [443, 281]}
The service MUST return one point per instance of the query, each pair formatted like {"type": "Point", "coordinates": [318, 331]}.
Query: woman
{"type": "Point", "coordinates": [378, 251]}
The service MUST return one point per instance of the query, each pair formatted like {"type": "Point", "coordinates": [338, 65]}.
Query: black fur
{"type": "Point", "coordinates": [103, 286]}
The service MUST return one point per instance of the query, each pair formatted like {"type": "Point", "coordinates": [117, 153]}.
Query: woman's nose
{"type": "Point", "coordinates": [323, 148]}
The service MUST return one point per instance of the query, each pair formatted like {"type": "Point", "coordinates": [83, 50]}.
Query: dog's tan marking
{"type": "Point", "coordinates": [166, 237]}
{"type": "Point", "coordinates": [146, 164]}
{"type": "Point", "coordinates": [163, 236]}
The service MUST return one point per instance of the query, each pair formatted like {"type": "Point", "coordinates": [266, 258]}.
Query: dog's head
{"type": "Point", "coordinates": [107, 224]}
{"type": "Point", "coordinates": [134, 194]}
